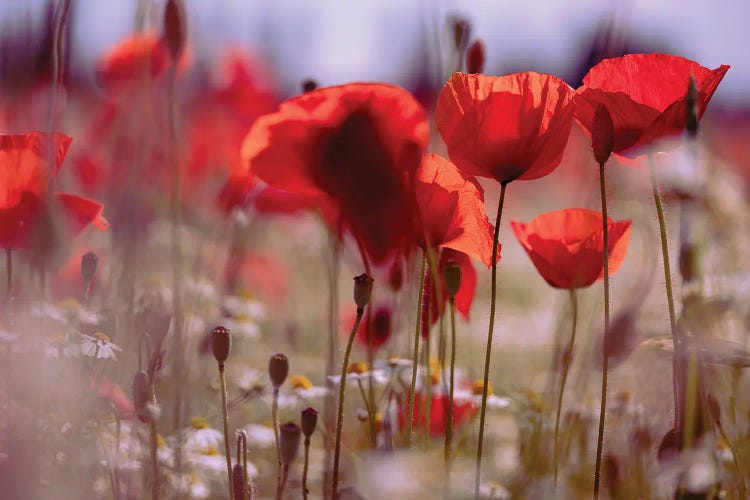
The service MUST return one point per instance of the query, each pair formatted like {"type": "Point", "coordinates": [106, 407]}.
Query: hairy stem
{"type": "Point", "coordinates": [567, 358]}
{"type": "Point", "coordinates": [225, 414]}
{"type": "Point", "coordinates": [415, 356]}
{"type": "Point", "coordinates": [449, 421]}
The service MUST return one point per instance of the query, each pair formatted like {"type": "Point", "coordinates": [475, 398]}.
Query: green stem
{"type": "Point", "coordinates": [304, 469]}
{"type": "Point", "coordinates": [567, 357]}
{"type": "Point", "coordinates": [275, 420]}
{"type": "Point", "coordinates": [605, 357]}
{"type": "Point", "coordinates": [449, 421]}
{"type": "Point", "coordinates": [415, 356]}
{"type": "Point", "coordinates": [428, 380]}
{"type": "Point", "coordinates": [488, 352]}
{"type": "Point", "coordinates": [342, 394]}
{"type": "Point", "coordinates": [225, 414]}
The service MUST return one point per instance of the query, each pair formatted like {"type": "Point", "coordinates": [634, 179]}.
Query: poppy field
{"type": "Point", "coordinates": [486, 285]}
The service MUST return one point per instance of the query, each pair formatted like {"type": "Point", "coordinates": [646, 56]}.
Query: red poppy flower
{"type": "Point", "coordinates": [505, 127]}
{"type": "Point", "coordinates": [134, 56]}
{"type": "Point", "coordinates": [382, 323]}
{"type": "Point", "coordinates": [359, 145]}
{"type": "Point", "coordinates": [645, 95]}
{"type": "Point", "coordinates": [24, 205]}
{"type": "Point", "coordinates": [106, 389]}
{"type": "Point", "coordinates": [463, 411]}
{"type": "Point", "coordinates": [566, 246]}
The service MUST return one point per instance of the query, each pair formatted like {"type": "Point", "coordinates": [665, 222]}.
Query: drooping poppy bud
{"type": "Point", "coordinates": [278, 369]}
{"type": "Point", "coordinates": [308, 85]}
{"type": "Point", "coordinates": [475, 57]}
{"type": "Point", "coordinates": [174, 28]}
{"type": "Point", "coordinates": [289, 438]}
{"type": "Point", "coordinates": [691, 104]}
{"type": "Point", "coordinates": [143, 395]}
{"type": "Point", "coordinates": [309, 421]}
{"type": "Point", "coordinates": [362, 290]}
{"type": "Point", "coordinates": [452, 278]}
{"type": "Point", "coordinates": [461, 32]}
{"type": "Point", "coordinates": [221, 342]}
{"type": "Point", "coordinates": [89, 262]}
{"type": "Point", "coordinates": [602, 134]}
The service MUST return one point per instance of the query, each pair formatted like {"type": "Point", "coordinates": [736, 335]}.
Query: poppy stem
{"type": "Point", "coordinates": [428, 373]}
{"type": "Point", "coordinates": [370, 353]}
{"type": "Point", "coordinates": [304, 468]}
{"type": "Point", "coordinates": [154, 463]}
{"type": "Point", "coordinates": [415, 354]}
{"type": "Point", "coordinates": [275, 420]}
{"type": "Point", "coordinates": [605, 357]}
{"type": "Point", "coordinates": [567, 358]}
{"type": "Point", "coordinates": [488, 352]}
{"type": "Point", "coordinates": [449, 420]}
{"type": "Point", "coordinates": [8, 279]}
{"type": "Point", "coordinates": [225, 414]}
{"type": "Point", "coordinates": [329, 405]}
{"type": "Point", "coordinates": [342, 394]}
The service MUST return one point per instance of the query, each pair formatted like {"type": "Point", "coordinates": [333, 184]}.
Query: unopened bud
{"type": "Point", "coordinates": [461, 32]}
{"type": "Point", "coordinates": [239, 483]}
{"type": "Point", "coordinates": [278, 369]}
{"type": "Point", "coordinates": [309, 85]}
{"type": "Point", "coordinates": [602, 134]}
{"type": "Point", "coordinates": [688, 262]}
{"type": "Point", "coordinates": [221, 342]}
{"type": "Point", "coordinates": [289, 438]}
{"type": "Point", "coordinates": [174, 28]}
{"type": "Point", "coordinates": [452, 278]}
{"type": "Point", "coordinates": [143, 395]}
{"type": "Point", "coordinates": [691, 113]}
{"type": "Point", "coordinates": [309, 421]}
{"type": "Point", "coordinates": [89, 262]}
{"type": "Point", "coordinates": [475, 57]}
{"type": "Point", "coordinates": [362, 290]}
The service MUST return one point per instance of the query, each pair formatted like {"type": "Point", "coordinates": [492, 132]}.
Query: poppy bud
{"type": "Point", "coordinates": [362, 290]}
{"type": "Point", "coordinates": [221, 342]}
{"type": "Point", "coordinates": [396, 276]}
{"type": "Point", "coordinates": [174, 28]}
{"type": "Point", "coordinates": [611, 475]}
{"type": "Point", "coordinates": [88, 267]}
{"type": "Point", "coordinates": [602, 134]}
{"type": "Point", "coordinates": [309, 85]}
{"type": "Point", "coordinates": [278, 369]}
{"type": "Point", "coordinates": [238, 478]}
{"type": "Point", "coordinates": [687, 262]}
{"type": "Point", "coordinates": [452, 278]}
{"type": "Point", "coordinates": [143, 394]}
{"type": "Point", "coordinates": [461, 32]}
{"type": "Point", "coordinates": [475, 57]}
{"type": "Point", "coordinates": [309, 421]}
{"type": "Point", "coordinates": [289, 438]}
{"type": "Point", "coordinates": [691, 113]}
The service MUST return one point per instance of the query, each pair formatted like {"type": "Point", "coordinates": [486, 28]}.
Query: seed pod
{"type": "Point", "coordinates": [221, 342]}
{"type": "Point", "coordinates": [461, 32]}
{"type": "Point", "coordinates": [362, 290]}
{"type": "Point", "coordinates": [452, 277]}
{"type": "Point", "coordinates": [143, 395]}
{"type": "Point", "coordinates": [174, 28]}
{"type": "Point", "coordinates": [289, 439]}
{"type": "Point", "coordinates": [309, 421]}
{"type": "Point", "coordinates": [691, 113]}
{"type": "Point", "coordinates": [278, 369]}
{"type": "Point", "coordinates": [238, 478]}
{"type": "Point", "coordinates": [475, 57]}
{"type": "Point", "coordinates": [89, 262]}
{"type": "Point", "coordinates": [309, 85]}
{"type": "Point", "coordinates": [602, 134]}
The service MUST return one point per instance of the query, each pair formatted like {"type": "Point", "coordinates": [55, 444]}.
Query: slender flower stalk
{"type": "Point", "coordinates": [426, 312]}
{"type": "Point", "coordinates": [221, 343]}
{"type": "Point", "coordinates": [278, 370]}
{"type": "Point", "coordinates": [488, 352]}
{"type": "Point", "coordinates": [154, 462]}
{"type": "Point", "coordinates": [448, 452]}
{"type": "Point", "coordinates": [605, 357]}
{"type": "Point", "coordinates": [567, 358]}
{"type": "Point", "coordinates": [309, 422]}
{"type": "Point", "coordinates": [329, 408]}
{"type": "Point", "coordinates": [8, 279]}
{"type": "Point", "coordinates": [415, 355]}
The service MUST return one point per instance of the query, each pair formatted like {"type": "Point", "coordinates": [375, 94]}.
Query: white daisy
{"type": "Point", "coordinates": [201, 436]}
{"type": "Point", "coordinates": [260, 436]}
{"type": "Point", "coordinates": [98, 346]}
{"type": "Point", "coordinates": [244, 307]}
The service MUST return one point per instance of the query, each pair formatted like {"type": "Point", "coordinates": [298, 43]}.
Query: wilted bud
{"type": "Point", "coordinates": [174, 28]}
{"type": "Point", "coordinates": [143, 395]}
{"type": "Point", "coordinates": [221, 342]}
{"type": "Point", "coordinates": [602, 134]}
{"type": "Point", "coordinates": [88, 267]}
{"type": "Point", "coordinates": [309, 85]}
{"type": "Point", "coordinates": [461, 32]}
{"type": "Point", "coordinates": [475, 57]}
{"type": "Point", "coordinates": [289, 437]}
{"type": "Point", "coordinates": [309, 421]}
{"type": "Point", "coordinates": [691, 113]}
{"type": "Point", "coordinates": [278, 369]}
{"type": "Point", "coordinates": [621, 336]}
{"type": "Point", "coordinates": [452, 277]}
{"type": "Point", "coordinates": [362, 290]}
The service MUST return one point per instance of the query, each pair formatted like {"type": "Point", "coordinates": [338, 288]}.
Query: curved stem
{"type": "Point", "coordinates": [449, 421]}
{"type": "Point", "coordinates": [342, 394]}
{"type": "Point", "coordinates": [415, 356]}
{"type": "Point", "coordinates": [225, 414]}
{"type": "Point", "coordinates": [605, 358]}
{"type": "Point", "coordinates": [488, 352]}
{"type": "Point", "coordinates": [567, 358]}
{"type": "Point", "coordinates": [304, 468]}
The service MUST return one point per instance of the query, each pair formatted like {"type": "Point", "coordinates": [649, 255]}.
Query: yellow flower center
{"type": "Point", "coordinates": [102, 336]}
{"type": "Point", "coordinates": [300, 382]}
{"type": "Point", "coordinates": [70, 304]}
{"type": "Point", "coordinates": [210, 451]}
{"type": "Point", "coordinates": [200, 423]}
{"type": "Point", "coordinates": [357, 367]}
{"type": "Point", "coordinates": [477, 388]}
{"type": "Point", "coordinates": [245, 294]}
{"type": "Point", "coordinates": [160, 441]}
{"type": "Point", "coordinates": [435, 375]}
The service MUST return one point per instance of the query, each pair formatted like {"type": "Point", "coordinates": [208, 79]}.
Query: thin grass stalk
{"type": "Point", "coordinates": [415, 354]}
{"type": "Point", "coordinates": [488, 352]}
{"type": "Point", "coordinates": [448, 453]}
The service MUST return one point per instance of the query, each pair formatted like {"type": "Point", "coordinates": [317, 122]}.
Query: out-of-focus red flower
{"type": "Point", "coordinates": [265, 276]}
{"type": "Point", "coordinates": [505, 127]}
{"type": "Point", "coordinates": [359, 145]}
{"type": "Point", "coordinates": [645, 95]}
{"type": "Point", "coordinates": [25, 208]}
{"type": "Point", "coordinates": [463, 411]}
{"type": "Point", "coordinates": [381, 328]}
{"type": "Point", "coordinates": [104, 388]}
{"type": "Point", "coordinates": [566, 246]}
